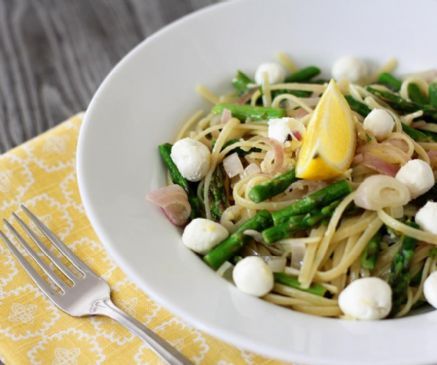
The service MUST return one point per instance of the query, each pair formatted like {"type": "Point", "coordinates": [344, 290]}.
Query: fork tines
{"type": "Point", "coordinates": [62, 248]}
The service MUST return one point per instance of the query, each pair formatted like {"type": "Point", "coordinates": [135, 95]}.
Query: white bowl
{"type": "Point", "coordinates": [143, 102]}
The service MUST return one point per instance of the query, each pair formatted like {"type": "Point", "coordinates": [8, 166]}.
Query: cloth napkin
{"type": "Point", "coordinates": [41, 174]}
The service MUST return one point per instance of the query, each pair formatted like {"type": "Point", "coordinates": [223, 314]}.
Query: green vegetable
{"type": "Point", "coordinates": [399, 277]}
{"type": "Point", "coordinates": [416, 279]}
{"type": "Point", "coordinates": [231, 245]}
{"type": "Point", "coordinates": [297, 223]}
{"type": "Point", "coordinates": [298, 93]}
{"type": "Point", "coordinates": [400, 104]}
{"type": "Point", "coordinates": [370, 254]}
{"type": "Point", "coordinates": [304, 74]}
{"type": "Point", "coordinates": [394, 100]}
{"type": "Point", "coordinates": [241, 82]}
{"type": "Point", "coordinates": [244, 112]}
{"type": "Point", "coordinates": [432, 91]}
{"type": "Point", "coordinates": [278, 232]}
{"type": "Point", "coordinates": [314, 200]}
{"type": "Point", "coordinates": [175, 175]}
{"type": "Point", "coordinates": [419, 135]}
{"type": "Point", "coordinates": [390, 81]}
{"type": "Point", "coordinates": [416, 95]}
{"type": "Point", "coordinates": [218, 195]}
{"type": "Point", "coordinates": [416, 134]}
{"type": "Point", "coordinates": [197, 208]}
{"type": "Point", "coordinates": [272, 187]}
{"type": "Point", "coordinates": [358, 106]}
{"type": "Point", "coordinates": [292, 282]}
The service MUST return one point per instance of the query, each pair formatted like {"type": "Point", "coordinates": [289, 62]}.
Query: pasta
{"type": "Point", "coordinates": [340, 224]}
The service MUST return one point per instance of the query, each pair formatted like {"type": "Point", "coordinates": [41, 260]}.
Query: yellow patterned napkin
{"type": "Point", "coordinates": [41, 174]}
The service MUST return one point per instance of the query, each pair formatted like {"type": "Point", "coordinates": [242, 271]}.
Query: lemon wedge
{"type": "Point", "coordinates": [329, 143]}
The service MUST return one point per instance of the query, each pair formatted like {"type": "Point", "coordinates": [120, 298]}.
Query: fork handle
{"type": "Point", "coordinates": [161, 347]}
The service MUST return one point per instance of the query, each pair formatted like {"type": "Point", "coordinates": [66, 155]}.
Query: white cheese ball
{"type": "Point", "coordinates": [201, 235]}
{"type": "Point", "coordinates": [275, 73]}
{"type": "Point", "coordinates": [426, 217]}
{"type": "Point", "coordinates": [366, 299]}
{"type": "Point", "coordinates": [430, 289]}
{"type": "Point", "coordinates": [417, 175]}
{"type": "Point", "coordinates": [192, 158]}
{"type": "Point", "coordinates": [253, 276]}
{"type": "Point", "coordinates": [379, 122]}
{"type": "Point", "coordinates": [349, 68]}
{"type": "Point", "coordinates": [279, 129]}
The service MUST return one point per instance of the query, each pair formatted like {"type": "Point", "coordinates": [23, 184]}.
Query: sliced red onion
{"type": "Point", "coordinates": [226, 116]}
{"type": "Point", "coordinates": [257, 236]}
{"type": "Point", "coordinates": [278, 155]}
{"type": "Point", "coordinates": [232, 165]}
{"type": "Point", "coordinates": [276, 263]}
{"type": "Point", "coordinates": [379, 165]}
{"type": "Point", "coordinates": [246, 97]}
{"type": "Point", "coordinates": [297, 135]}
{"type": "Point", "coordinates": [174, 202]}
{"type": "Point", "coordinates": [381, 191]}
{"type": "Point", "coordinates": [297, 254]}
{"type": "Point", "coordinates": [432, 154]}
{"type": "Point", "coordinates": [299, 113]}
{"type": "Point", "coordinates": [251, 169]}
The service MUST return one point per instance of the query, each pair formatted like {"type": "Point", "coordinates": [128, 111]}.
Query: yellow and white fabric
{"type": "Point", "coordinates": [41, 174]}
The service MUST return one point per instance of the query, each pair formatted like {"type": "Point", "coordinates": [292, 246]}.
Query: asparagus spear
{"type": "Point", "coordinates": [272, 187]}
{"type": "Point", "coordinates": [304, 74]}
{"type": "Point", "coordinates": [419, 135]}
{"type": "Point", "coordinates": [394, 100]}
{"type": "Point", "coordinates": [292, 282]}
{"type": "Point", "coordinates": [370, 254]}
{"type": "Point", "coordinates": [298, 93]}
{"type": "Point", "coordinates": [297, 223]}
{"type": "Point", "coordinates": [432, 91]}
{"type": "Point", "coordinates": [218, 194]}
{"type": "Point", "coordinates": [177, 178]}
{"type": "Point", "coordinates": [317, 199]}
{"type": "Point", "coordinates": [398, 103]}
{"type": "Point", "coordinates": [278, 232]}
{"type": "Point", "coordinates": [399, 277]}
{"type": "Point", "coordinates": [416, 95]}
{"type": "Point", "coordinates": [244, 112]}
{"type": "Point", "coordinates": [390, 81]}
{"type": "Point", "coordinates": [358, 106]}
{"type": "Point", "coordinates": [231, 245]}
{"type": "Point", "coordinates": [241, 82]}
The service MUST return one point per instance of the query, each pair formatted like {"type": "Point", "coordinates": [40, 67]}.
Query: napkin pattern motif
{"type": "Point", "coordinates": [41, 174]}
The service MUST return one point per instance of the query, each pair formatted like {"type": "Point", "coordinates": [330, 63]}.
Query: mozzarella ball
{"type": "Point", "coordinates": [349, 68]}
{"type": "Point", "coordinates": [417, 175]}
{"type": "Point", "coordinates": [192, 158]}
{"type": "Point", "coordinates": [430, 289]}
{"type": "Point", "coordinates": [275, 73]}
{"type": "Point", "coordinates": [201, 235]}
{"type": "Point", "coordinates": [379, 122]}
{"type": "Point", "coordinates": [279, 129]}
{"type": "Point", "coordinates": [253, 276]}
{"type": "Point", "coordinates": [366, 299]}
{"type": "Point", "coordinates": [426, 217]}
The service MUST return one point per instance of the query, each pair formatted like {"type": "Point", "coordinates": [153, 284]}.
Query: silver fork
{"type": "Point", "coordinates": [87, 294]}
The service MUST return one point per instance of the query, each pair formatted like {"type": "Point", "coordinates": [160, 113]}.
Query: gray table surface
{"type": "Point", "coordinates": [55, 53]}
